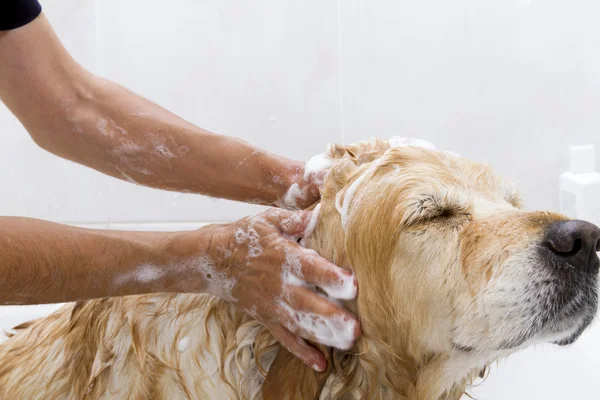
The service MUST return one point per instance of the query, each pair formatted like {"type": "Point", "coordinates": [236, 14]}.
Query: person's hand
{"type": "Point", "coordinates": [306, 182]}
{"type": "Point", "coordinates": [258, 264]}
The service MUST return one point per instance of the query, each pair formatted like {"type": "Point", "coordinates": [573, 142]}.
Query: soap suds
{"type": "Point", "coordinates": [253, 239]}
{"type": "Point", "coordinates": [316, 168]}
{"type": "Point", "coordinates": [101, 125]}
{"type": "Point", "coordinates": [159, 146]}
{"type": "Point", "coordinates": [121, 130]}
{"type": "Point", "coordinates": [292, 270]}
{"type": "Point", "coordinates": [337, 331]}
{"type": "Point", "coordinates": [398, 141]}
{"type": "Point", "coordinates": [345, 289]}
{"type": "Point", "coordinates": [127, 147]}
{"type": "Point", "coordinates": [293, 220]}
{"type": "Point", "coordinates": [292, 195]}
{"type": "Point", "coordinates": [145, 273]}
{"type": "Point", "coordinates": [343, 207]}
{"type": "Point", "coordinates": [217, 282]}
{"type": "Point", "coordinates": [291, 274]}
{"type": "Point", "coordinates": [310, 228]}
{"type": "Point", "coordinates": [107, 128]}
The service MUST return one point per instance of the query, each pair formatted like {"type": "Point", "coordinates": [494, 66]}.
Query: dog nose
{"type": "Point", "coordinates": [577, 242]}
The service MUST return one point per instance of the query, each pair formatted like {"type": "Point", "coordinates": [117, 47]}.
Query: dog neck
{"type": "Point", "coordinates": [387, 361]}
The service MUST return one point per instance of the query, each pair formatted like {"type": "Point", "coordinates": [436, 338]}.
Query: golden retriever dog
{"type": "Point", "coordinates": [453, 274]}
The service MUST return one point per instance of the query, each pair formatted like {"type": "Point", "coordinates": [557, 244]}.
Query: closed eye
{"type": "Point", "coordinates": [430, 208]}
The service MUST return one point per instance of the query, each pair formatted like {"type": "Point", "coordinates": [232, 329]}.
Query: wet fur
{"type": "Point", "coordinates": [423, 258]}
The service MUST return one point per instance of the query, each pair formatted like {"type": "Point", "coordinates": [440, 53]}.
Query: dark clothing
{"type": "Point", "coordinates": [16, 13]}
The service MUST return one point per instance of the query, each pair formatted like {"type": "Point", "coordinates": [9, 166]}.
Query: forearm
{"type": "Point", "coordinates": [44, 262]}
{"type": "Point", "coordinates": [71, 113]}
{"type": "Point", "coordinates": [126, 136]}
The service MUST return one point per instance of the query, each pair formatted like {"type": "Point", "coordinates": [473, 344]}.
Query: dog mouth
{"type": "Point", "coordinates": [555, 304]}
{"type": "Point", "coordinates": [559, 305]}
{"type": "Point", "coordinates": [574, 315]}
{"type": "Point", "coordinates": [569, 307]}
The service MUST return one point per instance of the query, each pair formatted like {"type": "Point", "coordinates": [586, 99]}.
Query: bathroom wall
{"type": "Point", "coordinates": [509, 82]}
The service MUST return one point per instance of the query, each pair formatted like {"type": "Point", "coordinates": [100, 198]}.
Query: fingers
{"type": "Point", "coordinates": [310, 268]}
{"type": "Point", "coordinates": [299, 348]}
{"type": "Point", "coordinates": [335, 281]}
{"type": "Point", "coordinates": [289, 222]}
{"type": "Point", "coordinates": [315, 318]}
{"type": "Point", "coordinates": [307, 264]}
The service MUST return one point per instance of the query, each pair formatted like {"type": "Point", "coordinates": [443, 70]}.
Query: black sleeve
{"type": "Point", "coordinates": [16, 13]}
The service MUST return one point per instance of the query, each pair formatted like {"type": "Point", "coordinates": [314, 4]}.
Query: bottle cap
{"type": "Point", "coordinates": [583, 159]}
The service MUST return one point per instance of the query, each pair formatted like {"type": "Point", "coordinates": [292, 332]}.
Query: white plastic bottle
{"type": "Point", "coordinates": [580, 187]}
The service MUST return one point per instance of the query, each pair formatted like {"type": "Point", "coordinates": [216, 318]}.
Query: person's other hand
{"type": "Point", "coordinates": [258, 264]}
{"type": "Point", "coordinates": [307, 180]}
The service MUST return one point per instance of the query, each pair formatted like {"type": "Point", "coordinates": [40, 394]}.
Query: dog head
{"type": "Point", "coordinates": [452, 272]}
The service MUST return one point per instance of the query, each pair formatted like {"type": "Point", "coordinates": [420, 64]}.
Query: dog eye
{"type": "Point", "coordinates": [432, 208]}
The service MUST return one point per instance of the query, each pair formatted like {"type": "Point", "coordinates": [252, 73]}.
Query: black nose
{"type": "Point", "coordinates": [576, 242]}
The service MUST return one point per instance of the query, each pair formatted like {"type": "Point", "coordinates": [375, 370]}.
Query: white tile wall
{"type": "Point", "coordinates": [210, 61]}
{"type": "Point", "coordinates": [512, 82]}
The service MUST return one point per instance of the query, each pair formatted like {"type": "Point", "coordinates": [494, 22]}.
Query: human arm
{"type": "Point", "coordinates": [89, 120]}
{"type": "Point", "coordinates": [255, 263]}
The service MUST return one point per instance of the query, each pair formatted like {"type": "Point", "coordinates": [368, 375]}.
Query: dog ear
{"type": "Point", "coordinates": [361, 152]}
{"type": "Point", "coordinates": [289, 378]}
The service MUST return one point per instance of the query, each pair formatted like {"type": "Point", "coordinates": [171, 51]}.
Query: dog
{"type": "Point", "coordinates": [453, 274]}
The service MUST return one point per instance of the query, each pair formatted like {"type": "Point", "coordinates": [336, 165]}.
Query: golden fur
{"type": "Point", "coordinates": [425, 232]}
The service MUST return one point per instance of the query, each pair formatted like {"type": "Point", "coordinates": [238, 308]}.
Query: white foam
{"type": "Point", "coordinates": [315, 166]}
{"type": "Point", "coordinates": [149, 273]}
{"type": "Point", "coordinates": [183, 344]}
{"type": "Point", "coordinates": [253, 239]}
{"type": "Point", "coordinates": [292, 221]}
{"type": "Point", "coordinates": [345, 289]}
{"type": "Point", "coordinates": [101, 125]}
{"type": "Point", "coordinates": [127, 147]}
{"type": "Point", "coordinates": [145, 273]}
{"type": "Point", "coordinates": [398, 141]}
{"type": "Point", "coordinates": [310, 228]}
{"type": "Point", "coordinates": [292, 195]}
{"type": "Point", "coordinates": [240, 235]}
{"type": "Point", "coordinates": [290, 279]}
{"type": "Point", "coordinates": [121, 130]}
{"type": "Point", "coordinates": [254, 247]}
{"type": "Point", "coordinates": [292, 264]}
{"type": "Point", "coordinates": [343, 207]}
{"type": "Point", "coordinates": [216, 282]}
{"type": "Point", "coordinates": [336, 330]}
